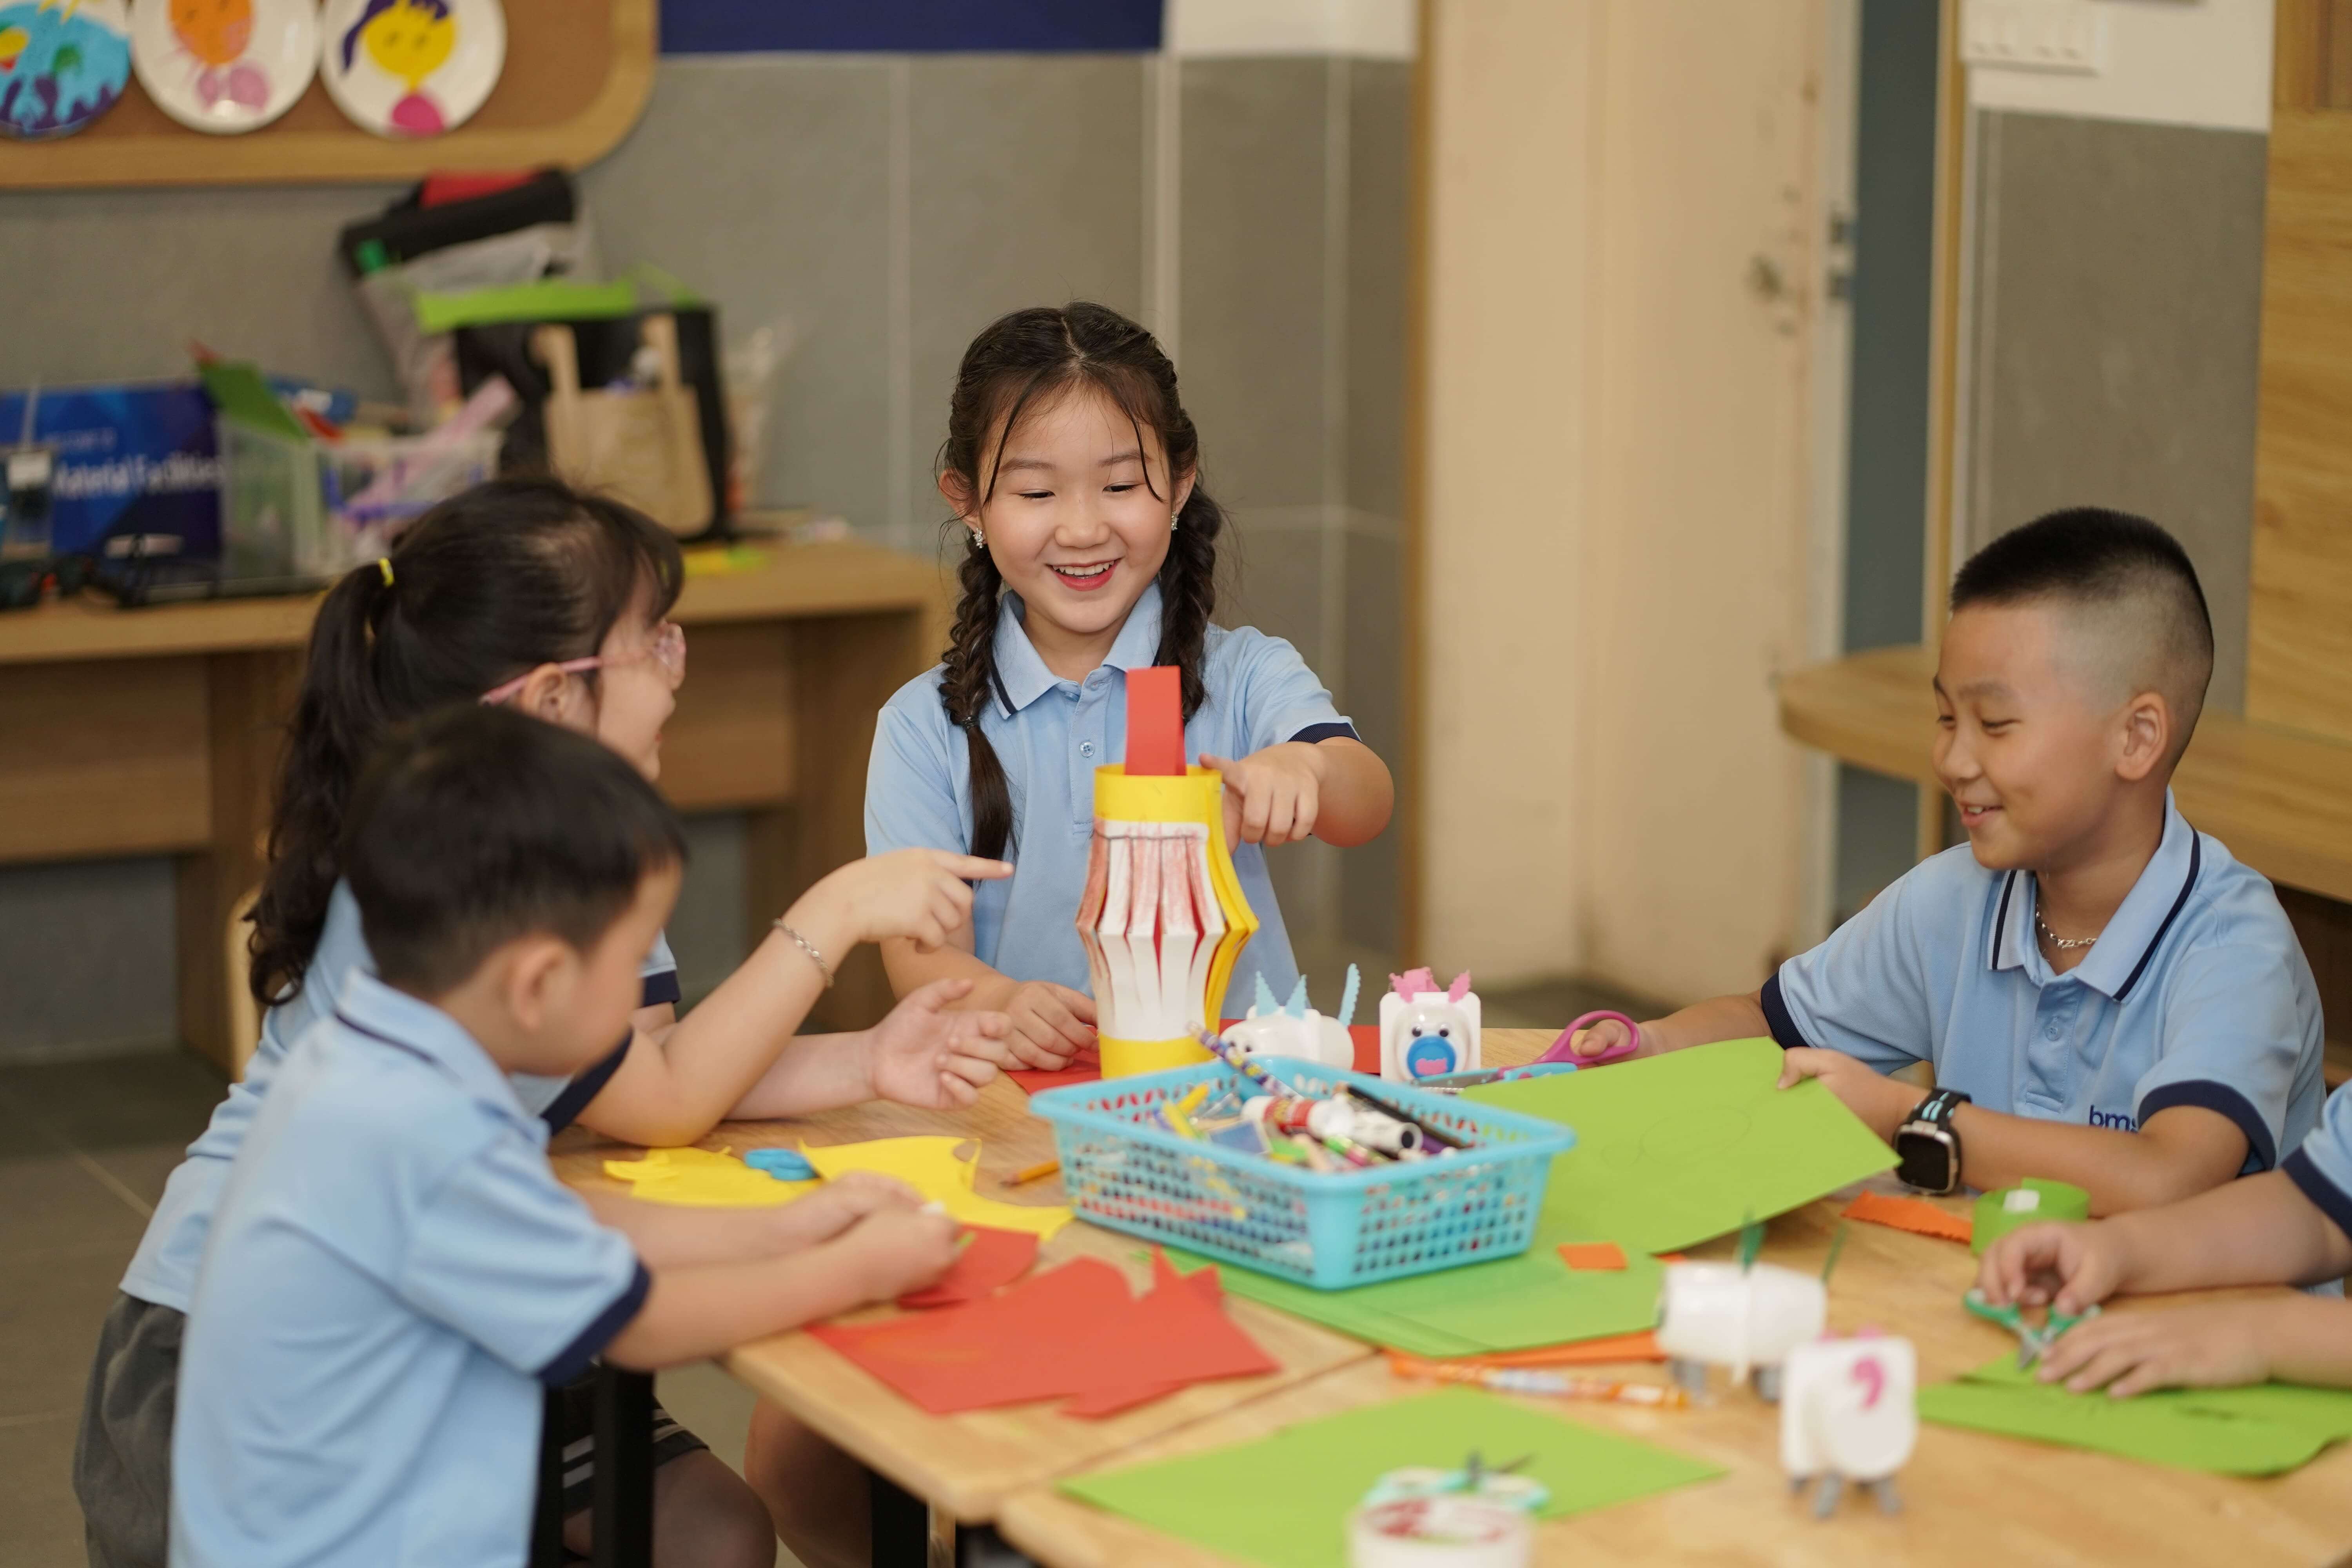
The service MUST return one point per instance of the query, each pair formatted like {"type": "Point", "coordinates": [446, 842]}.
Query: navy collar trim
{"type": "Point", "coordinates": [2147, 954]}
{"type": "Point", "coordinates": [348, 1022]}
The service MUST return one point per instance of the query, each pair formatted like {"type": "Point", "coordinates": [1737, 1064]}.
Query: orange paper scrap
{"type": "Point", "coordinates": [1914, 1215]}
{"type": "Point", "coordinates": [1601, 1255]}
{"type": "Point", "coordinates": [1643, 1346]}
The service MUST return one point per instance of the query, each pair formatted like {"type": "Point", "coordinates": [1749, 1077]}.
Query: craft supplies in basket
{"type": "Point", "coordinates": [1122, 1166]}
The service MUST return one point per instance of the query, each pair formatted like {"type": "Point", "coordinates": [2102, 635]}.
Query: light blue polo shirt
{"type": "Point", "coordinates": [393, 1273]}
{"type": "Point", "coordinates": [1051, 735]}
{"type": "Point", "coordinates": [2322, 1168]}
{"type": "Point", "coordinates": [163, 1270]}
{"type": "Point", "coordinates": [2196, 994]}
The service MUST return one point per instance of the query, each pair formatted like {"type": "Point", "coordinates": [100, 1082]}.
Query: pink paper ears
{"type": "Point", "coordinates": [1413, 983]}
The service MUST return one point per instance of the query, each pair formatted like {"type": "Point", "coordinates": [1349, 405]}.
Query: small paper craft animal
{"type": "Point", "coordinates": [1294, 1029]}
{"type": "Point", "coordinates": [1426, 1032]}
{"type": "Point", "coordinates": [1746, 1318]}
{"type": "Point", "coordinates": [1849, 1412]}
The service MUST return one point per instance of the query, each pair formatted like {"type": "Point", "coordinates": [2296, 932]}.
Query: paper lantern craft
{"type": "Point", "coordinates": [62, 65]}
{"type": "Point", "coordinates": [411, 68]}
{"type": "Point", "coordinates": [225, 66]}
{"type": "Point", "coordinates": [1163, 919]}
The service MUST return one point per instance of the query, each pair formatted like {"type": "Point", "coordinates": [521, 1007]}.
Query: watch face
{"type": "Point", "coordinates": [1927, 1159]}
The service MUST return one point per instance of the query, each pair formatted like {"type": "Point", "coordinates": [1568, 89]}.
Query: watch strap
{"type": "Point", "coordinates": [1937, 1108]}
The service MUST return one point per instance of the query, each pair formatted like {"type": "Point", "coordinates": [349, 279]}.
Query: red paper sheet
{"type": "Point", "coordinates": [1073, 1333]}
{"type": "Point", "coordinates": [1155, 722]}
{"type": "Point", "coordinates": [1087, 1066]}
{"type": "Point", "coordinates": [1914, 1215]}
{"type": "Point", "coordinates": [991, 1258]}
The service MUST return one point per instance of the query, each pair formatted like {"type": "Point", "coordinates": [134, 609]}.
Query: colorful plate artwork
{"type": "Point", "coordinates": [63, 63]}
{"type": "Point", "coordinates": [411, 68]}
{"type": "Point", "coordinates": [225, 66]}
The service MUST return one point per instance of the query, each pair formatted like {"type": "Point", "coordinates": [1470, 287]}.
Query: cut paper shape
{"type": "Point", "coordinates": [1643, 1346]}
{"type": "Point", "coordinates": [932, 1166]}
{"type": "Point", "coordinates": [783, 1164]}
{"type": "Point", "coordinates": [1592, 1255]}
{"type": "Point", "coordinates": [1155, 722]}
{"type": "Point", "coordinates": [1513, 1303]}
{"type": "Point", "coordinates": [990, 1259]}
{"type": "Point", "coordinates": [1085, 1067]}
{"type": "Point", "coordinates": [1679, 1148]}
{"type": "Point", "coordinates": [1073, 1333]}
{"type": "Point", "coordinates": [699, 1178]}
{"type": "Point", "coordinates": [1916, 1216]}
{"type": "Point", "coordinates": [2327, 1411]}
{"type": "Point", "coordinates": [1283, 1500]}
{"type": "Point", "coordinates": [2142, 1427]}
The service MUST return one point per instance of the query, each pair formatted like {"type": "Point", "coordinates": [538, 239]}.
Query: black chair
{"type": "Point", "coordinates": [622, 1504]}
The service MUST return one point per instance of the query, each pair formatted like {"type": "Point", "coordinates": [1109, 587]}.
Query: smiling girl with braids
{"type": "Point", "coordinates": [1092, 550]}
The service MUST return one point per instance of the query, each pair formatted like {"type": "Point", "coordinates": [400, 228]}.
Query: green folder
{"type": "Point", "coordinates": [1674, 1150]}
{"type": "Point", "coordinates": [1284, 1501]}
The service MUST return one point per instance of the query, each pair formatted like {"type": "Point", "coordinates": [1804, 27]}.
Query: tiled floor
{"type": "Point", "coordinates": [85, 1147]}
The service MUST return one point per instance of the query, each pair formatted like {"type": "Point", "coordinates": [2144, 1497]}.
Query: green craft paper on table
{"type": "Point", "coordinates": [2257, 1430]}
{"type": "Point", "coordinates": [1283, 1500]}
{"type": "Point", "coordinates": [1679, 1149]}
{"type": "Point", "coordinates": [1513, 1303]}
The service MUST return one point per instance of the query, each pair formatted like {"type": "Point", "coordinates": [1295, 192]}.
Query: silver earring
{"type": "Point", "coordinates": [979, 540]}
{"type": "Point", "coordinates": [1172, 522]}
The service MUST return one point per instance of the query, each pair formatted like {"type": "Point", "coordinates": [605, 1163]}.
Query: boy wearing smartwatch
{"type": "Point", "coordinates": [2104, 996]}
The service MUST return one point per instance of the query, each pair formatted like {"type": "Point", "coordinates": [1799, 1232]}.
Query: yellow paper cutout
{"type": "Point", "coordinates": [929, 1166]}
{"type": "Point", "coordinates": [697, 1178]}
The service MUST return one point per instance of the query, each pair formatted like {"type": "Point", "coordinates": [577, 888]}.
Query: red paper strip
{"type": "Point", "coordinates": [991, 1258]}
{"type": "Point", "coordinates": [1598, 1254]}
{"type": "Point", "coordinates": [1073, 1333]}
{"type": "Point", "coordinates": [1155, 722]}
{"type": "Point", "coordinates": [1914, 1215]}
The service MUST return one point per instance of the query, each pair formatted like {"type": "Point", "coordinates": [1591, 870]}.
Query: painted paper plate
{"type": "Point", "coordinates": [62, 65]}
{"type": "Point", "coordinates": [411, 68]}
{"type": "Point", "coordinates": [225, 66]}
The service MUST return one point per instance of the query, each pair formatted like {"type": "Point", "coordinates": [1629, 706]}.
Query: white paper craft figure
{"type": "Point", "coordinates": [1426, 1032]}
{"type": "Point", "coordinates": [1720, 1314]}
{"type": "Point", "coordinates": [1294, 1029]}
{"type": "Point", "coordinates": [1849, 1412]}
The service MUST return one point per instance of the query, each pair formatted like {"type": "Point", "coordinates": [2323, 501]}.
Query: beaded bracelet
{"type": "Point", "coordinates": [810, 947]}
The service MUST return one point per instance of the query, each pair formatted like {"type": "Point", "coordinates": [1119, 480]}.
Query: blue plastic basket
{"type": "Point", "coordinates": [1122, 1168]}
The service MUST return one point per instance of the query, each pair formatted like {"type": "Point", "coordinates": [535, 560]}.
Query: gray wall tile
{"type": "Point", "coordinates": [1027, 189]}
{"type": "Point", "coordinates": [1252, 275]}
{"type": "Point", "coordinates": [1274, 581]}
{"type": "Point", "coordinates": [123, 278]}
{"type": "Point", "coordinates": [709, 930]}
{"type": "Point", "coordinates": [763, 180]}
{"type": "Point", "coordinates": [89, 960]}
{"type": "Point", "coordinates": [1374, 698]}
{"type": "Point", "coordinates": [1380, 120]}
{"type": "Point", "coordinates": [2116, 335]}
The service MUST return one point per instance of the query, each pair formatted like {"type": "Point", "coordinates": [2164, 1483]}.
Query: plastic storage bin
{"type": "Point", "coordinates": [304, 508]}
{"type": "Point", "coordinates": [1124, 1170]}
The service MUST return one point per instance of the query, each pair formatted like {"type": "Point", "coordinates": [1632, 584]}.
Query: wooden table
{"type": "Point", "coordinates": [1970, 1498]}
{"type": "Point", "coordinates": [156, 731]}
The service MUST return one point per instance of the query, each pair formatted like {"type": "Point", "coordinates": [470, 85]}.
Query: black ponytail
{"type": "Point", "coordinates": [1018, 358]}
{"type": "Point", "coordinates": [487, 585]}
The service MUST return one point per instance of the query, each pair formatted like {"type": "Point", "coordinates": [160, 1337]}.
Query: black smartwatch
{"type": "Point", "coordinates": [1929, 1145]}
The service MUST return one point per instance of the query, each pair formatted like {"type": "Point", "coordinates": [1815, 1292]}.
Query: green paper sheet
{"type": "Point", "coordinates": [1514, 1303]}
{"type": "Point", "coordinates": [1283, 1500]}
{"type": "Point", "coordinates": [2144, 1427]}
{"type": "Point", "coordinates": [2325, 1413]}
{"type": "Point", "coordinates": [1677, 1148]}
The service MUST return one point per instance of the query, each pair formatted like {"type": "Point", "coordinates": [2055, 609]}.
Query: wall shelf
{"type": "Point", "coordinates": [2280, 799]}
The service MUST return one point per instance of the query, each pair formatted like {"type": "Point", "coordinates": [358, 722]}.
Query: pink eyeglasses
{"type": "Point", "coordinates": [667, 649]}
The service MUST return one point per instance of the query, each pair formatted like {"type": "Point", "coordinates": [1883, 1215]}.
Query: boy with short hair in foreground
{"type": "Point", "coordinates": [2291, 1225]}
{"type": "Point", "coordinates": [2105, 996]}
{"type": "Point", "coordinates": [395, 1269]}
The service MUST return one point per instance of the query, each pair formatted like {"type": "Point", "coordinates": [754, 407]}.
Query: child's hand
{"type": "Point", "coordinates": [894, 1250]}
{"type": "Point", "coordinates": [2071, 1267]}
{"type": "Point", "coordinates": [2217, 1346]}
{"type": "Point", "coordinates": [1271, 796]}
{"type": "Point", "coordinates": [922, 894]}
{"type": "Point", "coordinates": [922, 1055]}
{"type": "Point", "coordinates": [1050, 1023]}
{"type": "Point", "coordinates": [1601, 1039]}
{"type": "Point", "coordinates": [843, 1202]}
{"type": "Point", "coordinates": [1881, 1102]}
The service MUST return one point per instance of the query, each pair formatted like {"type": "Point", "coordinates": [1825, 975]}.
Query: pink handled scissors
{"type": "Point", "coordinates": [1559, 1051]}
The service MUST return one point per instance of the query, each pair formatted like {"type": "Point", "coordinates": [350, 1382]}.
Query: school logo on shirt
{"type": "Point", "coordinates": [2121, 1121]}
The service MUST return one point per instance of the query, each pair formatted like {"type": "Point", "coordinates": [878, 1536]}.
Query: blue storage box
{"type": "Point", "coordinates": [1122, 1168]}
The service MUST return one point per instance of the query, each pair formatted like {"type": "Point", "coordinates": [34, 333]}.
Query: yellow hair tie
{"type": "Point", "coordinates": [383, 564]}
